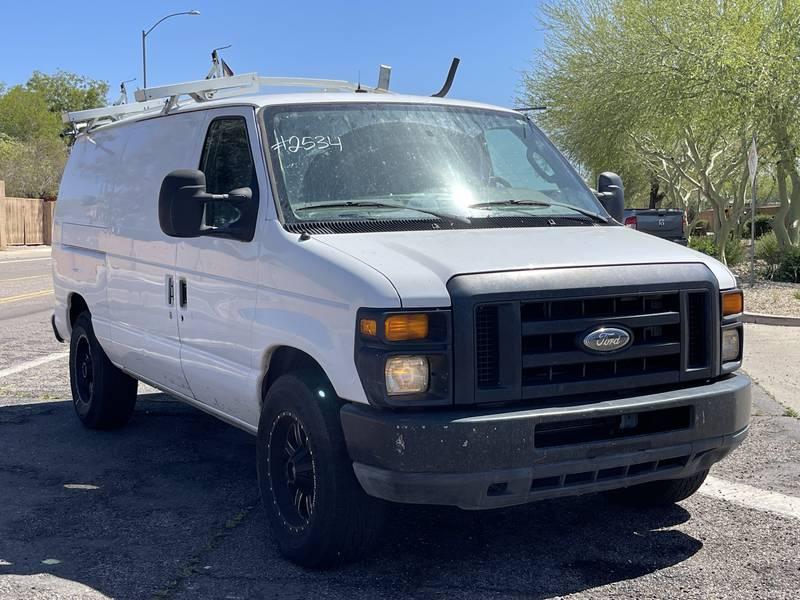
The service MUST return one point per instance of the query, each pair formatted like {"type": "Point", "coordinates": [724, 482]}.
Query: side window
{"type": "Point", "coordinates": [227, 163]}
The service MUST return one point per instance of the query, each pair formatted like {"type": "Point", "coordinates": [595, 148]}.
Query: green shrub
{"type": "Point", "coordinates": [789, 267]}
{"type": "Point", "coordinates": [704, 244]}
{"type": "Point", "coordinates": [734, 251]}
{"type": "Point", "coordinates": [763, 226]}
{"type": "Point", "coordinates": [768, 250]}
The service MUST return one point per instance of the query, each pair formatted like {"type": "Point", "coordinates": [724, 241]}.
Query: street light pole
{"type": "Point", "coordinates": [192, 13]}
{"type": "Point", "coordinates": [144, 61]}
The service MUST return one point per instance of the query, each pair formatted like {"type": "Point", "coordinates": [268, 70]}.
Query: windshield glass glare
{"type": "Point", "coordinates": [404, 161]}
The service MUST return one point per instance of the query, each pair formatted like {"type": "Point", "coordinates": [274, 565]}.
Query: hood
{"type": "Point", "coordinates": [420, 263]}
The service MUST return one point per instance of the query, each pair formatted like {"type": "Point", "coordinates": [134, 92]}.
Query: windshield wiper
{"type": "Point", "coordinates": [583, 211]}
{"type": "Point", "coordinates": [375, 204]}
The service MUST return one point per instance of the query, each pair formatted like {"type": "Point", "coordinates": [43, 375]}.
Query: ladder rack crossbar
{"type": "Point", "coordinates": [116, 111]}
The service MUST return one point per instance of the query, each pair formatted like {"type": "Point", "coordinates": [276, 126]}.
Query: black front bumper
{"type": "Point", "coordinates": [488, 458]}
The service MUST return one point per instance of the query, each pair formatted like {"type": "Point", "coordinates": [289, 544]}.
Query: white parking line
{"type": "Point", "coordinates": [20, 260]}
{"type": "Point", "coordinates": [36, 362]}
{"type": "Point", "coordinates": [751, 497]}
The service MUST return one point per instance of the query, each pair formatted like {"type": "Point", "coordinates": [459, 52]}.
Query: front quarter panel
{"type": "Point", "coordinates": [308, 298]}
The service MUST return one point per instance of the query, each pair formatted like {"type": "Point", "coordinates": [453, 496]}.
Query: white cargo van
{"type": "Point", "coordinates": [406, 299]}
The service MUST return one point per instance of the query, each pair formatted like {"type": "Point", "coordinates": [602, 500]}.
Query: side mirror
{"type": "Point", "coordinates": [611, 194]}
{"type": "Point", "coordinates": [181, 203]}
{"type": "Point", "coordinates": [183, 199]}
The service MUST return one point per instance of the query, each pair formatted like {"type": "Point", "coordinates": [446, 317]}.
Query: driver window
{"type": "Point", "coordinates": [227, 163]}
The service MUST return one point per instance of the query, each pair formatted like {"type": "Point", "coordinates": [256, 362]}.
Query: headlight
{"type": "Point", "coordinates": [731, 345]}
{"type": "Point", "coordinates": [406, 375]}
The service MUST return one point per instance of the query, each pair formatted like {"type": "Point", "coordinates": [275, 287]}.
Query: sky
{"type": "Point", "coordinates": [495, 41]}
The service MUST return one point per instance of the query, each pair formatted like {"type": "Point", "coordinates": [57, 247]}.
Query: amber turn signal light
{"type": "Point", "coordinates": [368, 327]}
{"type": "Point", "coordinates": [732, 303]}
{"type": "Point", "coordinates": [406, 327]}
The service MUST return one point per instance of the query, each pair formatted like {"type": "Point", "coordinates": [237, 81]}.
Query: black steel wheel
{"type": "Point", "coordinates": [84, 374]}
{"type": "Point", "coordinates": [318, 513]}
{"type": "Point", "coordinates": [103, 396]}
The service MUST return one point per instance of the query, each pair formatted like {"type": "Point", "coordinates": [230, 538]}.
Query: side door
{"type": "Point", "coordinates": [142, 287]}
{"type": "Point", "coordinates": [217, 272]}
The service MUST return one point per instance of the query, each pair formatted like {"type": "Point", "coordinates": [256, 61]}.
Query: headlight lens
{"type": "Point", "coordinates": [406, 375]}
{"type": "Point", "coordinates": [730, 345]}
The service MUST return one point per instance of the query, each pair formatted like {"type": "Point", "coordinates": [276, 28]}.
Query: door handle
{"type": "Point", "coordinates": [170, 290]}
{"type": "Point", "coordinates": [182, 291]}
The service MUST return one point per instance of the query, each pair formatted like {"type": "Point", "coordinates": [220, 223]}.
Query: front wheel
{"type": "Point", "coordinates": [103, 396]}
{"type": "Point", "coordinates": [660, 493]}
{"type": "Point", "coordinates": [318, 514]}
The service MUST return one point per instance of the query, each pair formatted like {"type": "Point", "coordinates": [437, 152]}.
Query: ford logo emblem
{"type": "Point", "coordinates": [607, 339]}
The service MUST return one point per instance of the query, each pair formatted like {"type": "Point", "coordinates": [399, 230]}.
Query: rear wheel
{"type": "Point", "coordinates": [103, 396]}
{"type": "Point", "coordinates": [318, 514]}
{"type": "Point", "coordinates": [660, 493]}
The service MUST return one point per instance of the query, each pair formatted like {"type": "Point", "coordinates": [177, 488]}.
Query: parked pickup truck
{"type": "Point", "coordinates": [404, 299]}
{"type": "Point", "coordinates": [667, 223]}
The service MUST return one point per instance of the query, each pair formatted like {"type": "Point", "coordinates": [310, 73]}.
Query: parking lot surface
{"type": "Point", "coordinates": [168, 508]}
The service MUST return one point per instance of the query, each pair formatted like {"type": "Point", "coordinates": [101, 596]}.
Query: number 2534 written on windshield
{"type": "Point", "coordinates": [308, 142]}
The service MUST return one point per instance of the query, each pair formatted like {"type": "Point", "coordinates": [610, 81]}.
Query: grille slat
{"type": "Point", "coordinates": [562, 325]}
{"type": "Point", "coordinates": [598, 385]}
{"type": "Point", "coordinates": [578, 357]}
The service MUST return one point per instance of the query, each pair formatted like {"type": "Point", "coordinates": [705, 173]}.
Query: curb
{"type": "Point", "coordinates": [763, 319]}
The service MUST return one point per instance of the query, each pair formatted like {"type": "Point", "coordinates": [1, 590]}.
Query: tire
{"type": "Point", "coordinates": [318, 513]}
{"type": "Point", "coordinates": [660, 493]}
{"type": "Point", "coordinates": [103, 396]}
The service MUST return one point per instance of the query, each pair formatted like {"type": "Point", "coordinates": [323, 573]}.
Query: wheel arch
{"type": "Point", "coordinates": [288, 359]}
{"type": "Point", "coordinates": [76, 305]}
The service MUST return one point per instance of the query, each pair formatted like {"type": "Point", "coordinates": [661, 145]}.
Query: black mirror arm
{"type": "Point", "coordinates": [607, 195]}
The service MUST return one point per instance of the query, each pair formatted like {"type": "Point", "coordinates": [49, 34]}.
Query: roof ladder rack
{"type": "Point", "coordinates": [220, 82]}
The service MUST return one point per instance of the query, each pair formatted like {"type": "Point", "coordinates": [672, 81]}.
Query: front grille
{"type": "Point", "coordinates": [670, 343]}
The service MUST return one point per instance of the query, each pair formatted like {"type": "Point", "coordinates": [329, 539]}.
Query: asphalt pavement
{"type": "Point", "coordinates": [168, 508]}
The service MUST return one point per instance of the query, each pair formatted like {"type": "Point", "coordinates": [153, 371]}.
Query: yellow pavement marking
{"type": "Point", "coordinates": [38, 294]}
{"type": "Point", "coordinates": [24, 278]}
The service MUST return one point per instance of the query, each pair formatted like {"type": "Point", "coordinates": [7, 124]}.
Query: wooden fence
{"type": "Point", "coordinates": [26, 221]}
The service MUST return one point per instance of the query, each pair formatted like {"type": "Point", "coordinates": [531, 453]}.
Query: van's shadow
{"type": "Point", "coordinates": [175, 512]}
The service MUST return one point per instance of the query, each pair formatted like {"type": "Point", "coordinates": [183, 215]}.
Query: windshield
{"type": "Point", "coordinates": [388, 161]}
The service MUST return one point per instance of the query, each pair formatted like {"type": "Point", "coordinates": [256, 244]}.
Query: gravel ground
{"type": "Point", "coordinates": [774, 298]}
{"type": "Point", "coordinates": [767, 297]}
